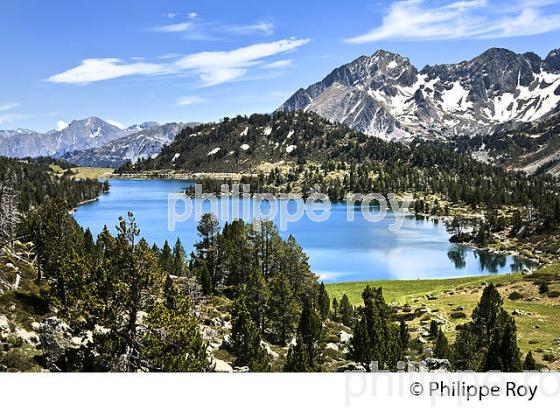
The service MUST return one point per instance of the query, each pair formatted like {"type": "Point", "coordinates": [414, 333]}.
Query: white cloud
{"type": "Point", "coordinates": [192, 15]}
{"type": "Point", "coordinates": [92, 70]}
{"type": "Point", "coordinates": [215, 67]}
{"type": "Point", "coordinates": [175, 28]}
{"type": "Point", "coordinates": [60, 125]}
{"type": "Point", "coordinates": [212, 67]}
{"type": "Point", "coordinates": [115, 123]}
{"type": "Point", "coordinates": [189, 100]}
{"type": "Point", "coordinates": [8, 106]}
{"type": "Point", "coordinates": [197, 29]}
{"type": "Point", "coordinates": [427, 20]}
{"type": "Point", "coordinates": [279, 64]}
{"type": "Point", "coordinates": [171, 15]}
{"type": "Point", "coordinates": [8, 116]}
{"type": "Point", "coordinates": [265, 28]}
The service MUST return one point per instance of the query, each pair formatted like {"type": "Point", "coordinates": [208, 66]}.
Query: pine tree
{"type": "Point", "coordinates": [360, 343]}
{"type": "Point", "coordinates": [258, 295]}
{"type": "Point", "coordinates": [297, 359]}
{"type": "Point", "coordinates": [486, 313]}
{"type": "Point", "coordinates": [346, 311]}
{"type": "Point", "coordinates": [172, 341]}
{"type": "Point", "coordinates": [283, 309]}
{"type": "Point", "coordinates": [434, 329]}
{"type": "Point", "coordinates": [245, 341]}
{"type": "Point", "coordinates": [304, 356]}
{"type": "Point", "coordinates": [170, 293]}
{"type": "Point", "coordinates": [441, 346]}
{"type": "Point", "coordinates": [530, 364]}
{"type": "Point", "coordinates": [133, 284]}
{"type": "Point", "coordinates": [207, 248]}
{"type": "Point", "coordinates": [166, 259]}
{"type": "Point", "coordinates": [204, 277]}
{"type": "Point", "coordinates": [335, 310]}
{"type": "Point", "coordinates": [404, 335]}
{"type": "Point", "coordinates": [503, 353]}
{"type": "Point", "coordinates": [178, 265]}
{"type": "Point", "coordinates": [323, 302]}
{"type": "Point", "coordinates": [378, 338]}
{"type": "Point", "coordinates": [59, 243]}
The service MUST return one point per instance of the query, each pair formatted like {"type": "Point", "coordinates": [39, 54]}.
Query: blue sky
{"type": "Point", "coordinates": [169, 60]}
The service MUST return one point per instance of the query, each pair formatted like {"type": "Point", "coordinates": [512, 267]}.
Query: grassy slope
{"type": "Point", "coordinates": [90, 172]}
{"type": "Point", "coordinates": [538, 330]}
{"type": "Point", "coordinates": [85, 172]}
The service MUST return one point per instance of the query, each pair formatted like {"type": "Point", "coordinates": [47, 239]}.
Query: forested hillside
{"type": "Point", "coordinates": [33, 182]}
{"type": "Point", "coordinates": [301, 152]}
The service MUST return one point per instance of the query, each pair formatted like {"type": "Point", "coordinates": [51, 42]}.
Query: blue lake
{"type": "Point", "coordinates": [338, 250]}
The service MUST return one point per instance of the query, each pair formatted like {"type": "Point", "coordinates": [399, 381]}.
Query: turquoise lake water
{"type": "Point", "coordinates": [338, 250]}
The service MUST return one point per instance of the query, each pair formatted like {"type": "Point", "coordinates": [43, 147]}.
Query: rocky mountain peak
{"type": "Point", "coordinates": [552, 61]}
{"type": "Point", "coordinates": [385, 95]}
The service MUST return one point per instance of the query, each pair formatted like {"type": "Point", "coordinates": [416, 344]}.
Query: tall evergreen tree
{"type": "Point", "coordinates": [441, 346]}
{"type": "Point", "coordinates": [59, 243]}
{"type": "Point", "coordinates": [404, 335]}
{"type": "Point", "coordinates": [382, 343]}
{"type": "Point", "coordinates": [304, 356]}
{"type": "Point", "coordinates": [335, 310]}
{"type": "Point", "coordinates": [172, 341]}
{"type": "Point", "coordinates": [166, 259]}
{"type": "Point", "coordinates": [486, 313]}
{"type": "Point", "coordinates": [465, 354]}
{"type": "Point", "coordinates": [283, 309]}
{"type": "Point", "coordinates": [346, 311]}
{"type": "Point", "coordinates": [207, 247]}
{"type": "Point", "coordinates": [360, 343]}
{"type": "Point", "coordinates": [245, 340]}
{"type": "Point", "coordinates": [323, 302]}
{"type": "Point", "coordinates": [178, 266]}
{"type": "Point", "coordinates": [258, 295]}
{"type": "Point", "coordinates": [503, 353]}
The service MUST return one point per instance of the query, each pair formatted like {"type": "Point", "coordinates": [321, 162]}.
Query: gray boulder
{"type": "Point", "coordinates": [351, 367]}
{"type": "Point", "coordinates": [56, 338]}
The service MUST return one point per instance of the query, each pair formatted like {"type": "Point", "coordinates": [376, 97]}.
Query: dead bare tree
{"type": "Point", "coordinates": [10, 215]}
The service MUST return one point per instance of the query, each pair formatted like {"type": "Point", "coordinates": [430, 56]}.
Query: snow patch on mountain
{"type": "Point", "coordinates": [386, 96]}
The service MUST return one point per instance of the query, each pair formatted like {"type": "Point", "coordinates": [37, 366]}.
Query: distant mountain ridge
{"type": "Point", "coordinates": [142, 144]}
{"type": "Point", "coordinates": [80, 134]}
{"type": "Point", "coordinates": [386, 96]}
{"type": "Point", "coordinates": [91, 142]}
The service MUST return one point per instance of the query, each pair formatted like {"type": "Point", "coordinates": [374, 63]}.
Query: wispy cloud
{"type": "Point", "coordinates": [190, 100]}
{"type": "Point", "coordinates": [279, 64]}
{"type": "Point", "coordinates": [6, 116]}
{"type": "Point", "coordinates": [115, 123]}
{"type": "Point", "coordinates": [99, 69]}
{"type": "Point", "coordinates": [211, 67]}
{"type": "Point", "coordinates": [8, 106]}
{"type": "Point", "coordinates": [196, 28]}
{"type": "Point", "coordinates": [429, 20]}
{"type": "Point", "coordinates": [175, 28]}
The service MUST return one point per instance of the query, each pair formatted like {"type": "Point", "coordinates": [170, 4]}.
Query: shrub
{"type": "Point", "coordinates": [515, 295]}
{"type": "Point", "coordinates": [549, 357]}
{"type": "Point", "coordinates": [543, 288]}
{"type": "Point", "coordinates": [16, 360]}
{"type": "Point", "coordinates": [553, 294]}
{"type": "Point", "coordinates": [458, 315]}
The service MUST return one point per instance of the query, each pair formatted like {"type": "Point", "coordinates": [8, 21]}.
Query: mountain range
{"type": "Point", "coordinates": [386, 96]}
{"type": "Point", "coordinates": [499, 107]}
{"type": "Point", "coordinates": [91, 142]}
